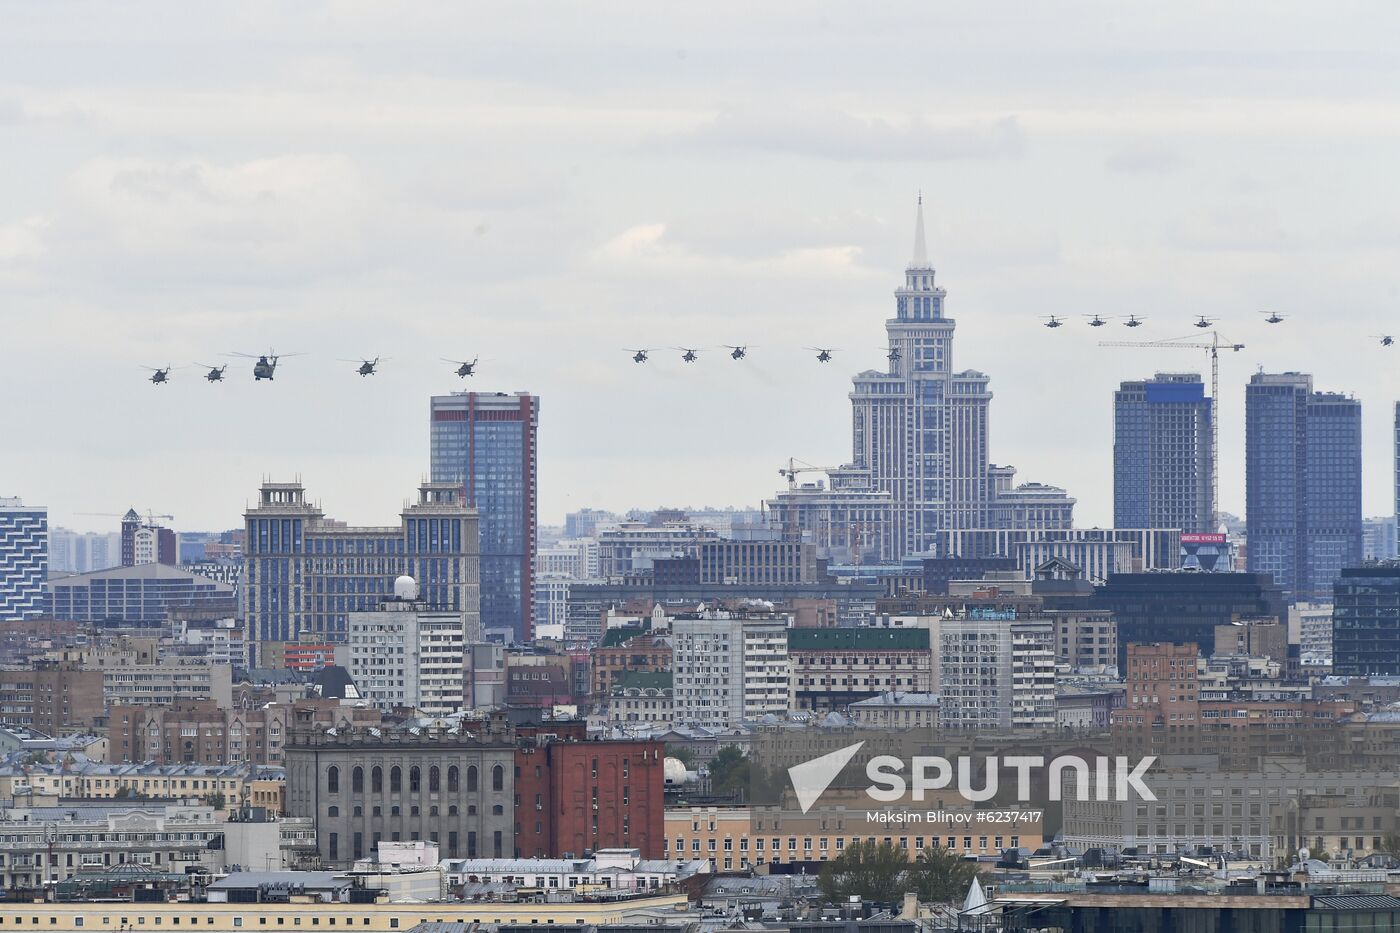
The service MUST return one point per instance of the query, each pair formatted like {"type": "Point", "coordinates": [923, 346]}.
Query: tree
{"type": "Point", "coordinates": [729, 771]}
{"type": "Point", "coordinates": [215, 800]}
{"type": "Point", "coordinates": [684, 755]}
{"type": "Point", "coordinates": [940, 876]}
{"type": "Point", "coordinates": [871, 872]}
{"type": "Point", "coordinates": [1390, 844]}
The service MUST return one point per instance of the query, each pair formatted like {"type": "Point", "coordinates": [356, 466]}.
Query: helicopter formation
{"type": "Point", "coordinates": [265, 367]}
{"type": "Point", "coordinates": [1202, 322]}
{"type": "Point", "coordinates": [265, 364]}
{"type": "Point", "coordinates": [691, 354]}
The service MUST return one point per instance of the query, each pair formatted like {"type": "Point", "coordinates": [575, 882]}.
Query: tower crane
{"type": "Point", "coordinates": [795, 466]}
{"type": "Point", "coordinates": [150, 516]}
{"type": "Point", "coordinates": [1190, 342]}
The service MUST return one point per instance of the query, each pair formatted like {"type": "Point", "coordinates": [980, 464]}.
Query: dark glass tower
{"type": "Point", "coordinates": [486, 441]}
{"type": "Point", "coordinates": [1162, 454]}
{"type": "Point", "coordinates": [1302, 483]}
{"type": "Point", "coordinates": [1366, 621]}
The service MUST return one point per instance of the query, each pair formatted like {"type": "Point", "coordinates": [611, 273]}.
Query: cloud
{"type": "Point", "coordinates": [834, 134]}
{"type": "Point", "coordinates": [1145, 158]}
{"type": "Point", "coordinates": [647, 247]}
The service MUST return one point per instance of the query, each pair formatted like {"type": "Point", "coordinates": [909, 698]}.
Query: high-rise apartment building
{"type": "Point", "coordinates": [303, 573]}
{"type": "Point", "coordinates": [1302, 483]}
{"type": "Point", "coordinates": [996, 670]}
{"type": "Point", "coordinates": [24, 559]}
{"type": "Point", "coordinates": [1162, 454]}
{"type": "Point", "coordinates": [729, 667]}
{"type": "Point", "coordinates": [919, 430]}
{"type": "Point", "coordinates": [406, 654]}
{"type": "Point", "coordinates": [485, 443]}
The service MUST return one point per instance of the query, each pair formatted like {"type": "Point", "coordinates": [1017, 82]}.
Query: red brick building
{"type": "Point", "coordinates": [574, 796]}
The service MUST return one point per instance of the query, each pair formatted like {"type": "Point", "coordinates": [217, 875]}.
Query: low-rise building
{"type": "Point", "coordinates": [896, 711]}
{"type": "Point", "coordinates": [643, 698]}
{"type": "Point", "coordinates": [44, 845]}
{"type": "Point", "coordinates": [621, 869]}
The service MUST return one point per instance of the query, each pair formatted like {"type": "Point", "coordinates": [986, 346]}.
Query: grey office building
{"type": "Point", "coordinates": [1302, 483]}
{"type": "Point", "coordinates": [1162, 454]}
{"type": "Point", "coordinates": [366, 786]}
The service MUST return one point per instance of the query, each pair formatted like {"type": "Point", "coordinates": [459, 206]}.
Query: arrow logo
{"type": "Point", "coordinates": [811, 778]}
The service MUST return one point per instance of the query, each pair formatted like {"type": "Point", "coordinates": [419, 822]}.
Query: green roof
{"type": "Point", "coordinates": [644, 680]}
{"type": "Point", "coordinates": [858, 639]}
{"type": "Point", "coordinates": [616, 637]}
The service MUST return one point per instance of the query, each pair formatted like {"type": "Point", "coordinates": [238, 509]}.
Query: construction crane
{"type": "Point", "coordinates": [1190, 342]}
{"type": "Point", "coordinates": [795, 466]}
{"type": "Point", "coordinates": [150, 516]}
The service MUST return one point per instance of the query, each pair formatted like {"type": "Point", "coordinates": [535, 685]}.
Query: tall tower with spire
{"type": "Point", "coordinates": [920, 429]}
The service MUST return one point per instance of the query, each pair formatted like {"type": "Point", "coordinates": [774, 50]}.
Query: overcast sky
{"type": "Point", "coordinates": [542, 185]}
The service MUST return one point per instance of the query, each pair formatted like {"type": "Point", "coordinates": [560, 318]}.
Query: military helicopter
{"type": "Point", "coordinates": [736, 353]}
{"type": "Point", "coordinates": [159, 376]}
{"type": "Point", "coordinates": [1133, 321]}
{"type": "Point", "coordinates": [366, 367]}
{"type": "Point", "coordinates": [1205, 322]}
{"type": "Point", "coordinates": [1386, 340]}
{"type": "Point", "coordinates": [266, 365]}
{"type": "Point", "coordinates": [1273, 317]}
{"type": "Point", "coordinates": [1052, 321]}
{"type": "Point", "coordinates": [893, 355]}
{"type": "Point", "coordinates": [640, 356]}
{"type": "Point", "coordinates": [823, 354]}
{"type": "Point", "coordinates": [1095, 320]}
{"type": "Point", "coordinates": [689, 356]}
{"type": "Point", "coordinates": [215, 374]}
{"type": "Point", "coordinates": [464, 368]}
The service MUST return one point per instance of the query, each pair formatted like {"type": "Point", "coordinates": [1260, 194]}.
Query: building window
{"type": "Point", "coordinates": [395, 780]}
{"type": "Point", "coordinates": [471, 778]}
{"type": "Point", "coordinates": [332, 780]}
{"type": "Point", "coordinates": [434, 776]}
{"type": "Point", "coordinates": [452, 779]}
{"type": "Point", "coordinates": [357, 780]}
{"type": "Point", "coordinates": [415, 780]}
{"type": "Point", "coordinates": [498, 778]}
{"type": "Point", "coordinates": [376, 780]}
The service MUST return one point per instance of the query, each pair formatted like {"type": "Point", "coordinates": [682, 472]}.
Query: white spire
{"type": "Point", "coordinates": [920, 260]}
{"type": "Point", "coordinates": [975, 897]}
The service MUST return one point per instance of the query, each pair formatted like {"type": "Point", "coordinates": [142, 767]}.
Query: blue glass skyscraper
{"type": "Point", "coordinates": [486, 442]}
{"type": "Point", "coordinates": [1162, 454]}
{"type": "Point", "coordinates": [1302, 483]}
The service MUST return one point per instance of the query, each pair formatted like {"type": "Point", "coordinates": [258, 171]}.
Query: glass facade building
{"type": "Point", "coordinates": [24, 559]}
{"type": "Point", "coordinates": [139, 595]}
{"type": "Point", "coordinates": [1302, 483]}
{"type": "Point", "coordinates": [1366, 621]}
{"type": "Point", "coordinates": [485, 443]}
{"type": "Point", "coordinates": [1162, 456]}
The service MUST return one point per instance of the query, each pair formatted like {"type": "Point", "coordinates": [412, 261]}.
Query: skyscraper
{"type": "Point", "coordinates": [919, 430]}
{"type": "Point", "coordinates": [1162, 454]}
{"type": "Point", "coordinates": [485, 442]}
{"type": "Point", "coordinates": [1302, 483]}
{"type": "Point", "coordinates": [24, 559]}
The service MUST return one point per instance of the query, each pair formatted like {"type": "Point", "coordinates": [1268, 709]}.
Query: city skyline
{"type": "Point", "coordinates": [1055, 182]}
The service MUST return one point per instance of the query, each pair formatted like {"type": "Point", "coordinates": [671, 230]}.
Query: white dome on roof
{"type": "Point", "coordinates": [406, 588]}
